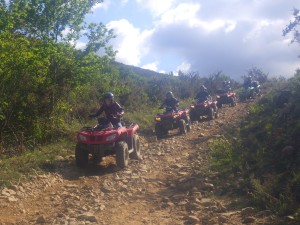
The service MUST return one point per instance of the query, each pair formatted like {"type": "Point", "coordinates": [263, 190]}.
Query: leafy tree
{"type": "Point", "coordinates": [292, 27]}
{"type": "Point", "coordinates": [257, 74]}
{"type": "Point", "coordinates": [3, 15]}
{"type": "Point", "coordinates": [49, 19]}
{"type": "Point", "coordinates": [45, 81]}
{"type": "Point", "coordinates": [98, 37]}
{"type": "Point", "coordinates": [215, 81]}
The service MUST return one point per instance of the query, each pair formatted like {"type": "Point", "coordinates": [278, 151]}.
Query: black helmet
{"type": "Point", "coordinates": [170, 94]}
{"type": "Point", "coordinates": [109, 95]}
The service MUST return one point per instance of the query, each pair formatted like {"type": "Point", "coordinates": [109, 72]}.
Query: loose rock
{"type": "Point", "coordinates": [41, 219]}
{"type": "Point", "coordinates": [249, 220]}
{"type": "Point", "coordinates": [249, 211]}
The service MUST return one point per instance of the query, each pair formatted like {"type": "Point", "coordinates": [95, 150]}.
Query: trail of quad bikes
{"type": "Point", "coordinates": [172, 184]}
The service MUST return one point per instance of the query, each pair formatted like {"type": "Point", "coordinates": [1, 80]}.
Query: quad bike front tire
{"type": "Point", "coordinates": [235, 101]}
{"type": "Point", "coordinates": [217, 114]}
{"type": "Point", "coordinates": [188, 123]}
{"type": "Point", "coordinates": [182, 126]}
{"type": "Point", "coordinates": [122, 154]}
{"type": "Point", "coordinates": [211, 114]}
{"type": "Point", "coordinates": [232, 102]}
{"type": "Point", "coordinates": [97, 158]}
{"type": "Point", "coordinates": [136, 154]}
{"type": "Point", "coordinates": [81, 156]}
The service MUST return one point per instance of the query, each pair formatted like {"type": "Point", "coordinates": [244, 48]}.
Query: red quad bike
{"type": "Point", "coordinates": [224, 97]}
{"type": "Point", "coordinates": [99, 142]}
{"type": "Point", "coordinates": [171, 120]}
{"type": "Point", "coordinates": [204, 108]}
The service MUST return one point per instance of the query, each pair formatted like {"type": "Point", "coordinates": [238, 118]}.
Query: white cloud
{"type": "Point", "coordinates": [130, 42]}
{"type": "Point", "coordinates": [80, 45]}
{"type": "Point", "coordinates": [124, 2]}
{"type": "Point", "coordinates": [186, 14]}
{"type": "Point", "coordinates": [183, 12]}
{"type": "Point", "coordinates": [260, 27]}
{"type": "Point", "coordinates": [156, 7]}
{"type": "Point", "coordinates": [151, 66]}
{"type": "Point", "coordinates": [104, 5]}
{"type": "Point", "coordinates": [183, 67]}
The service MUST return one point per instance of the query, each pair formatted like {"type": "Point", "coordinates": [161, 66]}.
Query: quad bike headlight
{"type": "Point", "coordinates": [82, 137]}
{"type": "Point", "coordinates": [111, 137]}
{"type": "Point", "coordinates": [157, 118]}
{"type": "Point", "coordinates": [192, 106]}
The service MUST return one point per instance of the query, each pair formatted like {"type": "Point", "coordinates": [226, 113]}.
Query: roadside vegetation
{"type": "Point", "coordinates": [262, 158]}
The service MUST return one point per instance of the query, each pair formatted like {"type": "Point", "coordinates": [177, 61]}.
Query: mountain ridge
{"type": "Point", "coordinates": [137, 70]}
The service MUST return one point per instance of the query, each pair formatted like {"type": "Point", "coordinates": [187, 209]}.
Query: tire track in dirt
{"type": "Point", "coordinates": [171, 185]}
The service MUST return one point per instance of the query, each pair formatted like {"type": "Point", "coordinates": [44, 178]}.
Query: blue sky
{"type": "Point", "coordinates": [202, 35]}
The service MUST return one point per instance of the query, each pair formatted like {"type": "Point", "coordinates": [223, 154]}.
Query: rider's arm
{"type": "Point", "coordinates": [99, 112]}
{"type": "Point", "coordinates": [119, 109]}
{"type": "Point", "coordinates": [163, 105]}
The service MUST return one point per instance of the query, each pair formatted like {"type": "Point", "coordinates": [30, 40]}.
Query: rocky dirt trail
{"type": "Point", "coordinates": [171, 185]}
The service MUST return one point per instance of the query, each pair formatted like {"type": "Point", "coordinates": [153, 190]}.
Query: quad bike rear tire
{"type": "Point", "coordinates": [193, 117]}
{"type": "Point", "coordinates": [182, 126]}
{"type": "Point", "coordinates": [136, 154]}
{"type": "Point", "coordinates": [122, 154]}
{"type": "Point", "coordinates": [81, 156]}
{"type": "Point", "coordinates": [211, 114]}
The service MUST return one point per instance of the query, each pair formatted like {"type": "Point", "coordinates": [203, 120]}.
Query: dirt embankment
{"type": "Point", "coordinates": [171, 185]}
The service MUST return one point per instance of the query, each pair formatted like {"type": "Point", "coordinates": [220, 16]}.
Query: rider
{"type": "Point", "coordinates": [203, 94]}
{"type": "Point", "coordinates": [170, 102]}
{"type": "Point", "coordinates": [248, 82]}
{"type": "Point", "coordinates": [226, 86]}
{"type": "Point", "coordinates": [113, 111]}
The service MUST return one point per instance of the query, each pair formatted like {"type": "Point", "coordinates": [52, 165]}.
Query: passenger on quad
{"type": "Point", "coordinates": [226, 86]}
{"type": "Point", "coordinates": [113, 111]}
{"type": "Point", "coordinates": [170, 103]}
{"type": "Point", "coordinates": [203, 94]}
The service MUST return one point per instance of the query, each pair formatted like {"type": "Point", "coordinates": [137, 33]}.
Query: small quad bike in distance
{"type": "Point", "coordinates": [204, 108]}
{"type": "Point", "coordinates": [171, 120]}
{"type": "Point", "coordinates": [99, 142]}
{"type": "Point", "coordinates": [250, 93]}
{"type": "Point", "coordinates": [226, 98]}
